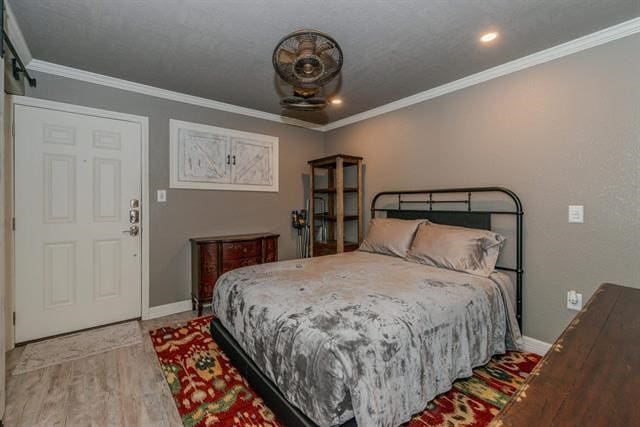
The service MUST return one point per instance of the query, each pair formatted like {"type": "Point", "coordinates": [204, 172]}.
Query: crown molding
{"type": "Point", "coordinates": [16, 36]}
{"type": "Point", "coordinates": [607, 35]}
{"type": "Point", "coordinates": [586, 42]}
{"type": "Point", "coordinates": [99, 79]}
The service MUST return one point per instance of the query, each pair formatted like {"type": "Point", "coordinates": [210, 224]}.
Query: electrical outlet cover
{"type": "Point", "coordinates": [577, 305]}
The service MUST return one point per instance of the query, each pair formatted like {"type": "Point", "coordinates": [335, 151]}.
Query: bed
{"type": "Point", "coordinates": [364, 336]}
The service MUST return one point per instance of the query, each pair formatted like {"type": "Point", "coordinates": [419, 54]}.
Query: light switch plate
{"type": "Point", "coordinates": [162, 195]}
{"type": "Point", "coordinates": [576, 214]}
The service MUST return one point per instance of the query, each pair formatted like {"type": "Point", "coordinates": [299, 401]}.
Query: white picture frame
{"type": "Point", "coordinates": [207, 157]}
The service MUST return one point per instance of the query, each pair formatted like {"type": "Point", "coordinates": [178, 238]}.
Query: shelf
{"type": "Point", "coordinates": [333, 190]}
{"type": "Point", "coordinates": [331, 161]}
{"type": "Point", "coordinates": [333, 244]}
{"type": "Point", "coordinates": [333, 217]}
{"type": "Point", "coordinates": [331, 247]}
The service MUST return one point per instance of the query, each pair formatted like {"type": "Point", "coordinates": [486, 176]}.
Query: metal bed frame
{"type": "Point", "coordinates": [269, 392]}
{"type": "Point", "coordinates": [471, 218]}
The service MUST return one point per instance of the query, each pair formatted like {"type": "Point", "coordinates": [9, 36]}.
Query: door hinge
{"type": "Point", "coordinates": [13, 223]}
{"type": "Point", "coordinates": [13, 128]}
{"type": "Point", "coordinates": [14, 318]}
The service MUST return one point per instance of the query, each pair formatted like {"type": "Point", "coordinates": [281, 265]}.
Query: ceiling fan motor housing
{"type": "Point", "coordinates": [303, 104]}
{"type": "Point", "coordinates": [308, 69]}
{"type": "Point", "coordinates": [307, 60]}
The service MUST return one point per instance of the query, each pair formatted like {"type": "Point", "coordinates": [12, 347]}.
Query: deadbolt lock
{"type": "Point", "coordinates": [134, 216]}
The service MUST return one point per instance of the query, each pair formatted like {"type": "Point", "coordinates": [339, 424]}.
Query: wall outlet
{"type": "Point", "coordinates": [574, 300]}
{"type": "Point", "coordinates": [576, 214]}
{"type": "Point", "coordinates": [162, 195]}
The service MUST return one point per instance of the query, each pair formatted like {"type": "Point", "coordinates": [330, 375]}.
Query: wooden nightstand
{"type": "Point", "coordinates": [213, 256]}
{"type": "Point", "coordinates": [590, 375]}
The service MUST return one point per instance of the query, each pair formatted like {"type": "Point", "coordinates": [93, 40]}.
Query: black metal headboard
{"type": "Point", "coordinates": [469, 217]}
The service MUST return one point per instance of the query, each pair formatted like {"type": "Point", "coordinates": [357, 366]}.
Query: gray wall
{"type": "Point", "coordinates": [561, 133]}
{"type": "Point", "coordinates": [565, 132]}
{"type": "Point", "coordinates": [190, 213]}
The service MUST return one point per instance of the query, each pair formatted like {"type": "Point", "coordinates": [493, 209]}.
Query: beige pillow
{"type": "Point", "coordinates": [468, 250]}
{"type": "Point", "coordinates": [390, 236]}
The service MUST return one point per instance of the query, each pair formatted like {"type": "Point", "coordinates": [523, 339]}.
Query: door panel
{"type": "Point", "coordinates": [253, 162]}
{"type": "Point", "coordinates": [58, 134]}
{"type": "Point", "coordinates": [106, 268]}
{"type": "Point", "coordinates": [203, 157]}
{"type": "Point", "coordinates": [59, 188]}
{"type": "Point", "coordinates": [75, 176]}
{"type": "Point", "coordinates": [60, 265]}
{"type": "Point", "coordinates": [106, 190]}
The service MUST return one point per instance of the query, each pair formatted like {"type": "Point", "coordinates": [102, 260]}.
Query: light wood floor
{"type": "Point", "coordinates": [123, 387]}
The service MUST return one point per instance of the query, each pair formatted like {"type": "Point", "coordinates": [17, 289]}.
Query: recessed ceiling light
{"type": "Point", "coordinates": [486, 38]}
{"type": "Point", "coordinates": [336, 101]}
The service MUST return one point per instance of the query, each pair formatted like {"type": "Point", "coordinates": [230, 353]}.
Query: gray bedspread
{"type": "Point", "coordinates": [365, 335]}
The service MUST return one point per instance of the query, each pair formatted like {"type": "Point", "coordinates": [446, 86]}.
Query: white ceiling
{"type": "Point", "coordinates": [222, 49]}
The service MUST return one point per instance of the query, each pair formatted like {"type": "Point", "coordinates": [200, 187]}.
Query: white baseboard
{"type": "Point", "coordinates": [533, 345]}
{"type": "Point", "coordinates": [167, 309]}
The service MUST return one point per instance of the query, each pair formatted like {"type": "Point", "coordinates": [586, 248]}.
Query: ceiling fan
{"type": "Point", "coordinates": [307, 60]}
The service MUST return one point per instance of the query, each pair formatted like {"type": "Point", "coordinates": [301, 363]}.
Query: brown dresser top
{"type": "Point", "coordinates": [591, 374]}
{"type": "Point", "coordinates": [233, 238]}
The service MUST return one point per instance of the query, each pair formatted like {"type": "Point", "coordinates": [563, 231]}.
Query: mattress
{"type": "Point", "coordinates": [366, 335]}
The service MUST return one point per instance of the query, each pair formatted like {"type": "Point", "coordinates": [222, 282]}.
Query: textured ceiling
{"type": "Point", "coordinates": [221, 49]}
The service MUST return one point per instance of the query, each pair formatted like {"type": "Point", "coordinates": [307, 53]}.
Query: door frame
{"type": "Point", "coordinates": [144, 169]}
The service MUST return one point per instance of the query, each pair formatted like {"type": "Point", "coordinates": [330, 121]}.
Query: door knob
{"type": "Point", "coordinates": [132, 231]}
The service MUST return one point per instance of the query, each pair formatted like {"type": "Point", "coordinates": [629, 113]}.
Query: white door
{"type": "Point", "coordinates": [76, 264]}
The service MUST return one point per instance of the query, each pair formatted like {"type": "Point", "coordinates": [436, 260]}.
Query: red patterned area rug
{"type": "Point", "coordinates": [209, 391]}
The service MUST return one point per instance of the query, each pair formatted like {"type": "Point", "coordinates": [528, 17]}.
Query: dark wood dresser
{"type": "Point", "coordinates": [213, 256]}
{"type": "Point", "coordinates": [591, 374]}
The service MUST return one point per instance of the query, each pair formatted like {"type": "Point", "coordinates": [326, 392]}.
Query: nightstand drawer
{"type": "Point", "coordinates": [271, 250]}
{"type": "Point", "coordinates": [237, 250]}
{"type": "Point", "coordinates": [232, 264]}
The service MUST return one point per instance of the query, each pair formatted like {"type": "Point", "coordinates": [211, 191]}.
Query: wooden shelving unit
{"type": "Point", "coordinates": [334, 195]}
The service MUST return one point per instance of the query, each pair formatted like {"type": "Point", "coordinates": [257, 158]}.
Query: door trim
{"type": "Point", "coordinates": [78, 109]}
